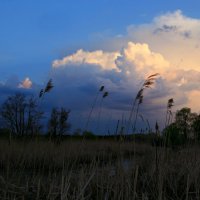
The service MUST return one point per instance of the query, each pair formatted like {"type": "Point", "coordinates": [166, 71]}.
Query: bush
{"type": "Point", "coordinates": [173, 135]}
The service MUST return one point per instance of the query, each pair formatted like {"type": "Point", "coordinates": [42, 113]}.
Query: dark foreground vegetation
{"type": "Point", "coordinates": [100, 168]}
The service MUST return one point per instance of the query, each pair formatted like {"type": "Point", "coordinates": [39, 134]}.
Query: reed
{"type": "Point", "coordinates": [170, 104]}
{"type": "Point", "coordinates": [44, 170]}
{"type": "Point", "coordinates": [139, 99]}
{"type": "Point", "coordinates": [49, 86]}
{"type": "Point", "coordinates": [105, 94]}
{"type": "Point", "coordinates": [101, 89]}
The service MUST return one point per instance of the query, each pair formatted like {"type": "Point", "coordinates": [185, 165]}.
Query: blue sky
{"type": "Point", "coordinates": [34, 32]}
{"type": "Point", "coordinates": [83, 44]}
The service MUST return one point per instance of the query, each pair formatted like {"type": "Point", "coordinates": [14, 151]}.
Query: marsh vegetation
{"type": "Point", "coordinates": [97, 169]}
{"type": "Point", "coordinates": [126, 165]}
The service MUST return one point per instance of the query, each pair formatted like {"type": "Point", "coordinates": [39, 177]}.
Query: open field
{"type": "Point", "coordinates": [97, 169]}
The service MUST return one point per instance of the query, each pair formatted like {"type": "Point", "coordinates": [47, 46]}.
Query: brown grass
{"type": "Point", "coordinates": [102, 169]}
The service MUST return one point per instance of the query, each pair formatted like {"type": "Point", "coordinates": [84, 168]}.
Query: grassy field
{"type": "Point", "coordinates": [97, 169]}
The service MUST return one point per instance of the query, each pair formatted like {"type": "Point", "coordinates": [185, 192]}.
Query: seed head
{"type": "Point", "coordinates": [49, 86]}
{"type": "Point", "coordinates": [101, 88]}
{"type": "Point", "coordinates": [105, 94]}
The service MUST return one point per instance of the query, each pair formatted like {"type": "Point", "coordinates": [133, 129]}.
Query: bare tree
{"type": "Point", "coordinates": [33, 125]}
{"type": "Point", "coordinates": [63, 124]}
{"type": "Point", "coordinates": [21, 115]}
{"type": "Point", "coordinates": [53, 123]}
{"type": "Point", "coordinates": [58, 124]}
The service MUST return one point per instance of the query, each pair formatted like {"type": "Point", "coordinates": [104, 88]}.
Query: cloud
{"type": "Point", "coordinates": [176, 38]}
{"type": "Point", "coordinates": [194, 96]}
{"type": "Point", "coordinates": [174, 35]}
{"type": "Point", "coordinates": [168, 45]}
{"type": "Point", "coordinates": [139, 59]}
{"type": "Point", "coordinates": [26, 83]}
{"type": "Point", "coordinates": [135, 57]}
{"type": "Point", "coordinates": [104, 59]}
{"type": "Point", "coordinates": [81, 79]}
{"type": "Point", "coordinates": [12, 86]}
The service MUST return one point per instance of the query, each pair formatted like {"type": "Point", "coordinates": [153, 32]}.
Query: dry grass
{"type": "Point", "coordinates": [103, 169]}
{"type": "Point", "coordinates": [73, 170]}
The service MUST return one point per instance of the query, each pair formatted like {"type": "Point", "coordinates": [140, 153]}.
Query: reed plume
{"type": "Point", "coordinates": [139, 99]}
{"type": "Point", "coordinates": [169, 116]}
{"type": "Point", "coordinates": [170, 104]}
{"type": "Point", "coordinates": [105, 94]}
{"type": "Point", "coordinates": [41, 93]}
{"type": "Point", "coordinates": [48, 88]}
{"type": "Point", "coordinates": [101, 88]}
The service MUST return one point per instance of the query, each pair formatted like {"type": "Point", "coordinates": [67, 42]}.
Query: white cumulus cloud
{"type": "Point", "coordinates": [137, 58]}
{"type": "Point", "coordinates": [104, 59]}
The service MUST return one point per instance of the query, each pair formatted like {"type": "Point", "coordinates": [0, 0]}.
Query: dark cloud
{"type": "Point", "coordinates": [166, 29]}
{"type": "Point", "coordinates": [76, 87]}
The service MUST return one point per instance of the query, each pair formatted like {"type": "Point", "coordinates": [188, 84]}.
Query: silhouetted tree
{"type": "Point", "coordinates": [33, 125]}
{"type": "Point", "coordinates": [184, 120]}
{"type": "Point", "coordinates": [53, 123]}
{"type": "Point", "coordinates": [173, 135]}
{"type": "Point", "coordinates": [63, 124]}
{"type": "Point", "coordinates": [58, 124]}
{"type": "Point", "coordinates": [196, 127]}
{"type": "Point", "coordinates": [21, 115]}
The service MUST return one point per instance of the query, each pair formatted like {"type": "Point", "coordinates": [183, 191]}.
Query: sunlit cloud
{"type": "Point", "coordinates": [193, 102]}
{"type": "Point", "coordinates": [174, 35]}
{"type": "Point", "coordinates": [132, 64]}
{"type": "Point", "coordinates": [169, 45]}
{"type": "Point", "coordinates": [104, 59]}
{"type": "Point", "coordinates": [137, 58]}
{"type": "Point", "coordinates": [26, 83]}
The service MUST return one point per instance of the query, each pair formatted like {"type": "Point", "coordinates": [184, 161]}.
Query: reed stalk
{"type": "Point", "coordinates": [92, 107]}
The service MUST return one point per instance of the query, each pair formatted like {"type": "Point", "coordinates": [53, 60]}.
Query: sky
{"type": "Point", "coordinates": [83, 44]}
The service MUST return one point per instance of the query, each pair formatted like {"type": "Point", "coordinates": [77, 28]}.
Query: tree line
{"type": "Point", "coordinates": [22, 116]}
{"type": "Point", "coordinates": [184, 128]}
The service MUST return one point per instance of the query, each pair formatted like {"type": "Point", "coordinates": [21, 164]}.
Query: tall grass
{"type": "Point", "coordinates": [105, 94]}
{"type": "Point", "coordinates": [101, 89]}
{"type": "Point", "coordinates": [169, 115]}
{"type": "Point", "coordinates": [96, 170]}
